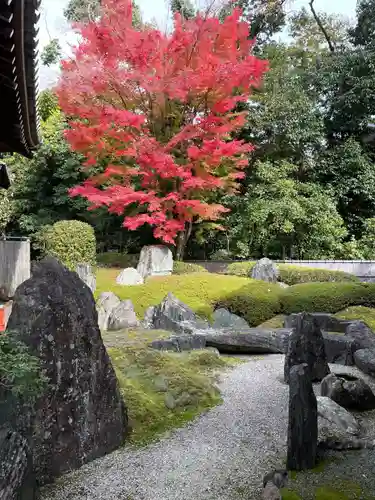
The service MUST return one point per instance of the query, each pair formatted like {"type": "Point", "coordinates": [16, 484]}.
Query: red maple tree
{"type": "Point", "coordinates": [157, 110]}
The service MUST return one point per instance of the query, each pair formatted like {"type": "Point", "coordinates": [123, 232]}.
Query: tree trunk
{"type": "Point", "coordinates": [182, 240]}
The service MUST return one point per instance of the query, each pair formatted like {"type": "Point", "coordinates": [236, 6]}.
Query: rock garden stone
{"type": "Point", "coordinates": [129, 276]}
{"type": "Point", "coordinates": [339, 348]}
{"type": "Point", "coordinates": [81, 415]}
{"type": "Point", "coordinates": [84, 271]}
{"type": "Point", "coordinates": [254, 341]}
{"type": "Point", "coordinates": [17, 481]}
{"type": "Point", "coordinates": [365, 361]}
{"type": "Point", "coordinates": [364, 337]}
{"type": "Point", "coordinates": [306, 345]}
{"type": "Point", "coordinates": [170, 401]}
{"type": "Point", "coordinates": [336, 415]}
{"type": "Point", "coordinates": [148, 320]}
{"type": "Point", "coordinates": [265, 270]}
{"type": "Point", "coordinates": [179, 343]}
{"type": "Point", "coordinates": [174, 315]}
{"type": "Point", "coordinates": [123, 316]}
{"type": "Point", "coordinates": [155, 260]}
{"type": "Point", "coordinates": [303, 420]}
{"type": "Point", "coordinates": [348, 391]}
{"type": "Point", "coordinates": [324, 321]}
{"type": "Point", "coordinates": [104, 306]}
{"type": "Point", "coordinates": [224, 319]}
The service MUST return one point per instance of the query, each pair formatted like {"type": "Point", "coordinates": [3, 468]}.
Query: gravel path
{"type": "Point", "coordinates": [222, 455]}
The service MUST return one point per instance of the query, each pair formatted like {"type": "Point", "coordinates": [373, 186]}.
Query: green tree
{"type": "Point", "coordinates": [284, 218]}
{"type": "Point", "coordinates": [183, 7]}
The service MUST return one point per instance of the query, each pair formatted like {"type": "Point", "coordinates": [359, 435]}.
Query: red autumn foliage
{"type": "Point", "coordinates": [157, 110]}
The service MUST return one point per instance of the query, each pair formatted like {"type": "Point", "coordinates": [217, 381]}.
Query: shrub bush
{"type": "Point", "coordinates": [117, 260]}
{"type": "Point", "coordinates": [292, 275]}
{"type": "Point", "coordinates": [71, 241]}
{"type": "Point", "coordinates": [326, 297]}
{"type": "Point", "coordinates": [187, 268]}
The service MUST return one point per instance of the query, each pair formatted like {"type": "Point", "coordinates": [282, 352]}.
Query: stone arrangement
{"type": "Point", "coordinates": [81, 415]}
{"type": "Point", "coordinates": [129, 276]}
{"type": "Point", "coordinates": [265, 270]}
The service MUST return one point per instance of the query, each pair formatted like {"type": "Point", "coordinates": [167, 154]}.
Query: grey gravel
{"type": "Point", "coordinates": [222, 455]}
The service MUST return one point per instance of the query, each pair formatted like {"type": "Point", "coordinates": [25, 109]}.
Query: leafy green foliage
{"type": "Point", "coordinates": [281, 216]}
{"type": "Point", "coordinates": [327, 297]}
{"type": "Point", "coordinates": [20, 372]}
{"type": "Point", "coordinates": [51, 53]}
{"type": "Point", "coordinates": [292, 275]}
{"type": "Point", "coordinates": [72, 242]}
{"type": "Point", "coordinates": [183, 7]}
{"type": "Point", "coordinates": [117, 260]}
{"type": "Point", "coordinates": [47, 104]}
{"type": "Point", "coordinates": [366, 314]}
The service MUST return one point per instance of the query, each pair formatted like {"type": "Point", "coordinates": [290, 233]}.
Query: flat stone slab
{"type": "Point", "coordinates": [365, 361]}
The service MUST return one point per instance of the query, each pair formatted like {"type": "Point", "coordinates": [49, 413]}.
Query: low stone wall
{"type": "Point", "coordinates": [363, 269]}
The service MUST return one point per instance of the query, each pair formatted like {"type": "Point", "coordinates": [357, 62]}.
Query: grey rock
{"type": "Point", "coordinates": [155, 260]}
{"type": "Point", "coordinates": [161, 383]}
{"type": "Point", "coordinates": [104, 306]}
{"type": "Point", "coordinates": [303, 420]}
{"type": "Point", "coordinates": [282, 285]}
{"type": "Point", "coordinates": [364, 337]}
{"type": "Point", "coordinates": [84, 271]}
{"type": "Point", "coordinates": [339, 348]}
{"type": "Point", "coordinates": [179, 343]}
{"type": "Point", "coordinates": [365, 361]}
{"type": "Point", "coordinates": [348, 391]}
{"type": "Point", "coordinates": [224, 319]}
{"type": "Point", "coordinates": [253, 341]}
{"type": "Point", "coordinates": [306, 345]}
{"type": "Point", "coordinates": [265, 270]}
{"type": "Point", "coordinates": [123, 316]}
{"type": "Point", "coordinates": [170, 401]}
{"type": "Point", "coordinates": [81, 415]}
{"type": "Point", "coordinates": [324, 321]}
{"type": "Point", "coordinates": [185, 399]}
{"type": "Point", "coordinates": [129, 276]}
{"type": "Point", "coordinates": [17, 481]}
{"type": "Point", "coordinates": [337, 417]}
{"type": "Point", "coordinates": [172, 314]}
{"type": "Point", "coordinates": [148, 320]}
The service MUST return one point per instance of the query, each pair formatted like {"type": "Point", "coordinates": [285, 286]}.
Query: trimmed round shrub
{"type": "Point", "coordinates": [256, 302]}
{"type": "Point", "coordinates": [327, 297]}
{"type": "Point", "coordinates": [187, 268]}
{"type": "Point", "coordinates": [117, 260]}
{"type": "Point", "coordinates": [292, 275]}
{"type": "Point", "coordinates": [70, 241]}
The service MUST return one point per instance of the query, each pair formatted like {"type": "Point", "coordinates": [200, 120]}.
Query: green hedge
{"type": "Point", "coordinates": [292, 275]}
{"type": "Point", "coordinates": [117, 259]}
{"type": "Point", "coordinates": [72, 242]}
{"type": "Point", "coordinates": [187, 267]}
{"type": "Point", "coordinates": [327, 297]}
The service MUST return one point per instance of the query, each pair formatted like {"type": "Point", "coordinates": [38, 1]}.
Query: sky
{"type": "Point", "coordinates": [53, 25]}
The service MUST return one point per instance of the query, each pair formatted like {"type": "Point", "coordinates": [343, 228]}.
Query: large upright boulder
{"type": "Point", "coordinates": [265, 270]}
{"type": "Point", "coordinates": [81, 415]}
{"type": "Point", "coordinates": [123, 316]}
{"type": "Point", "coordinates": [86, 274]}
{"type": "Point", "coordinates": [303, 420]}
{"type": "Point", "coordinates": [106, 303]}
{"type": "Point", "coordinates": [306, 345]}
{"type": "Point", "coordinates": [155, 260]}
{"type": "Point", "coordinates": [364, 337]}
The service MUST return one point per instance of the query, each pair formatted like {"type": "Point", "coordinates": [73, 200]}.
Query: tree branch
{"type": "Point", "coordinates": [322, 28]}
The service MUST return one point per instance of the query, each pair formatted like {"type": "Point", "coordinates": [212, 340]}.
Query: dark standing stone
{"type": "Point", "coordinates": [365, 360]}
{"type": "Point", "coordinates": [306, 345]}
{"type": "Point", "coordinates": [303, 420]}
{"type": "Point", "coordinates": [17, 481]}
{"type": "Point", "coordinates": [81, 416]}
{"type": "Point", "coordinates": [348, 391]}
{"type": "Point", "coordinates": [324, 321]}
